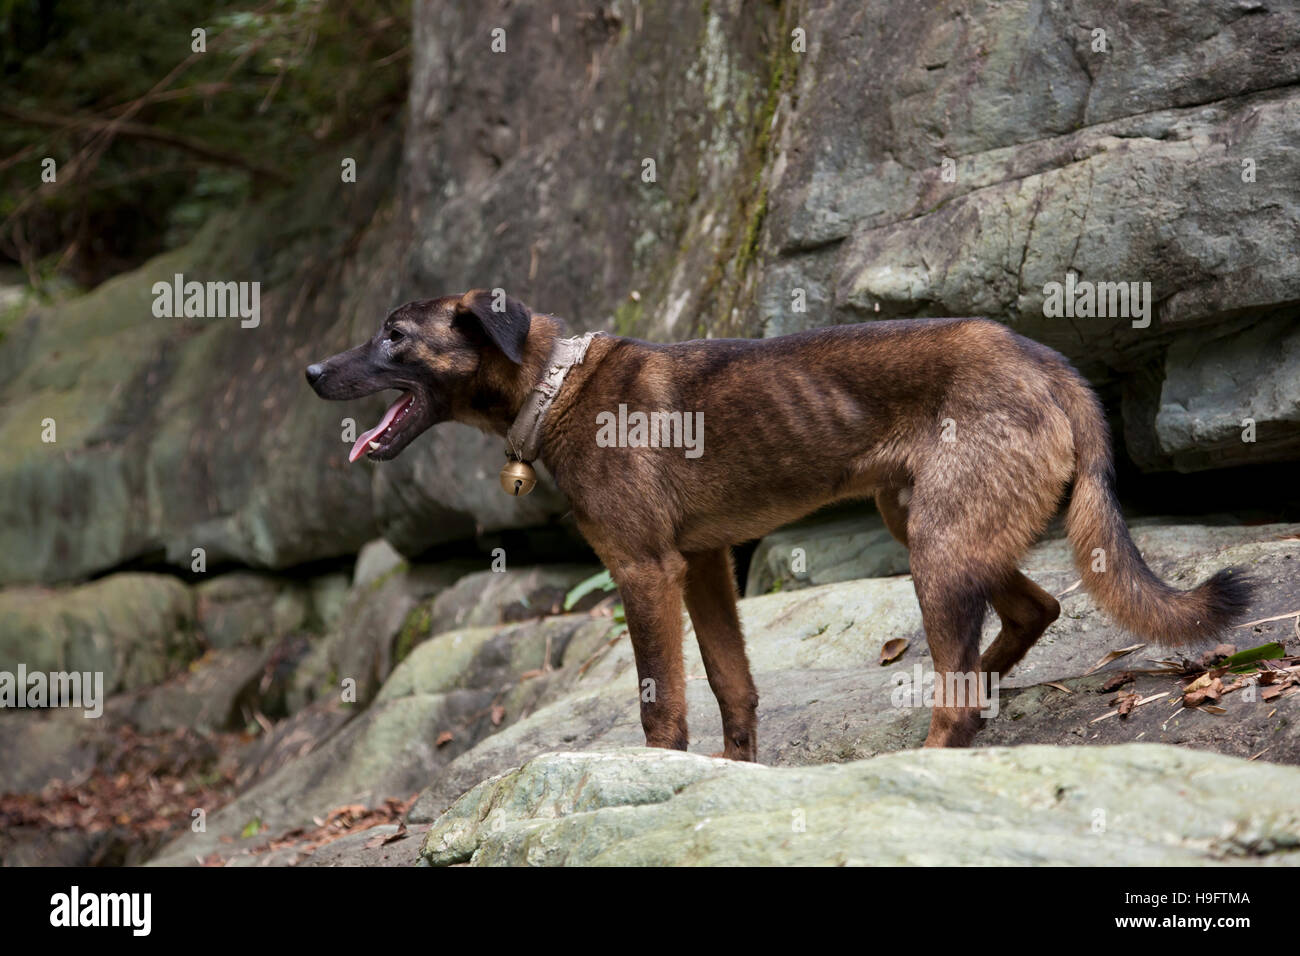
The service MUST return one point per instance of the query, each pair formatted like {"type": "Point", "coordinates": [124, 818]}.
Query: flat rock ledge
{"type": "Point", "coordinates": [1132, 804]}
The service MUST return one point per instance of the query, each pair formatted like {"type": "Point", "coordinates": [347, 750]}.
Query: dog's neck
{"type": "Point", "coordinates": [508, 385]}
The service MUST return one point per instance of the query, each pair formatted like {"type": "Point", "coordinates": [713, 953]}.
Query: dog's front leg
{"type": "Point", "coordinates": [652, 601]}
{"type": "Point", "coordinates": [711, 601]}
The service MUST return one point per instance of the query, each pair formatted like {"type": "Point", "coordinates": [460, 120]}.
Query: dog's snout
{"type": "Point", "coordinates": [314, 372]}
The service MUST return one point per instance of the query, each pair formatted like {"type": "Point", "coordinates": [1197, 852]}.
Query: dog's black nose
{"type": "Point", "coordinates": [314, 372]}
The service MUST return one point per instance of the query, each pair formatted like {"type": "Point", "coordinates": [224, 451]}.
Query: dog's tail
{"type": "Point", "coordinates": [1113, 570]}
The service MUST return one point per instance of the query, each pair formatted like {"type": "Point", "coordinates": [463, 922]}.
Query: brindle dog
{"type": "Point", "coordinates": [966, 434]}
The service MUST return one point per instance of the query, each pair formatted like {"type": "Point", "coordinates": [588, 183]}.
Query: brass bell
{"type": "Point", "coordinates": [518, 478]}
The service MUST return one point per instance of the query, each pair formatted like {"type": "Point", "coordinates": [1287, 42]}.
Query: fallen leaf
{"type": "Point", "coordinates": [1274, 691]}
{"type": "Point", "coordinates": [1199, 684]}
{"type": "Point", "coordinates": [1210, 690]}
{"type": "Point", "coordinates": [445, 737]}
{"type": "Point", "coordinates": [1127, 701]}
{"type": "Point", "coordinates": [1254, 655]}
{"type": "Point", "coordinates": [1116, 681]}
{"type": "Point", "coordinates": [892, 650]}
{"type": "Point", "coordinates": [1112, 656]}
{"type": "Point", "coordinates": [1141, 703]}
{"type": "Point", "coordinates": [383, 839]}
{"type": "Point", "coordinates": [1265, 620]}
{"type": "Point", "coordinates": [1059, 687]}
{"type": "Point", "coordinates": [1220, 652]}
{"type": "Point", "coordinates": [1072, 587]}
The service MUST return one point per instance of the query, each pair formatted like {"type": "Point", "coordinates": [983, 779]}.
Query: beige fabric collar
{"type": "Point", "coordinates": [524, 439]}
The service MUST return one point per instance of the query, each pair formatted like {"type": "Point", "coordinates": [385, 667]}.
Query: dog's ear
{"type": "Point", "coordinates": [505, 321]}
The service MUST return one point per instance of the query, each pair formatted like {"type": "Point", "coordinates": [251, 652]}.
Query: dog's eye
{"type": "Point", "coordinates": [395, 335]}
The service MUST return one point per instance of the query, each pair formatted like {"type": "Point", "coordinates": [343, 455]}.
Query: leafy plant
{"type": "Point", "coordinates": [597, 582]}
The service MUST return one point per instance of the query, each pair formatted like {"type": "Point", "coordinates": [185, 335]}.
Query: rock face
{"type": "Point", "coordinates": [899, 163]}
{"type": "Point", "coordinates": [1123, 148]}
{"type": "Point", "coordinates": [1135, 805]}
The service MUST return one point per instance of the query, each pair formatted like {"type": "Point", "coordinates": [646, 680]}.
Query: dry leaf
{"type": "Point", "coordinates": [1141, 703]}
{"type": "Point", "coordinates": [1059, 687]}
{"type": "Point", "coordinates": [1276, 617]}
{"type": "Point", "coordinates": [1127, 701]}
{"type": "Point", "coordinates": [445, 737]}
{"type": "Point", "coordinates": [383, 839]}
{"type": "Point", "coordinates": [1209, 690]}
{"type": "Point", "coordinates": [1112, 656]}
{"type": "Point", "coordinates": [1116, 681]}
{"type": "Point", "coordinates": [1072, 587]}
{"type": "Point", "coordinates": [893, 650]}
{"type": "Point", "coordinates": [1274, 691]}
{"type": "Point", "coordinates": [1199, 684]}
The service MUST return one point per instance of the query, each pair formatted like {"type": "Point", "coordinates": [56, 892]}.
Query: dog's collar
{"type": "Point", "coordinates": [524, 439]}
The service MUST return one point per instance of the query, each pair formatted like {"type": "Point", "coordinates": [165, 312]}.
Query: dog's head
{"type": "Point", "coordinates": [433, 352]}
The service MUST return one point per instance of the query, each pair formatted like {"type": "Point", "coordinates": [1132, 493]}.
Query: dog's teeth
{"type": "Point", "coordinates": [374, 446]}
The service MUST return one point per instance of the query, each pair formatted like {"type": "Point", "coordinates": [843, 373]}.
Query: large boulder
{"type": "Point", "coordinates": [135, 629]}
{"type": "Point", "coordinates": [823, 550]}
{"type": "Point", "coordinates": [250, 610]}
{"type": "Point", "coordinates": [1135, 805]}
{"type": "Point", "coordinates": [494, 597]}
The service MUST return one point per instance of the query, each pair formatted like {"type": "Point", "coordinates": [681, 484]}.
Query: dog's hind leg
{"type": "Point", "coordinates": [711, 601]}
{"type": "Point", "coordinates": [956, 566]}
{"type": "Point", "coordinates": [952, 610]}
{"type": "Point", "coordinates": [652, 601]}
{"type": "Point", "coordinates": [1026, 611]}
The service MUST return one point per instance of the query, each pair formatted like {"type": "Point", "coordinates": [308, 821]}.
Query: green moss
{"type": "Point", "coordinates": [753, 233]}
{"type": "Point", "coordinates": [400, 567]}
{"type": "Point", "coordinates": [415, 629]}
{"type": "Point", "coordinates": [627, 317]}
{"type": "Point", "coordinates": [726, 279]}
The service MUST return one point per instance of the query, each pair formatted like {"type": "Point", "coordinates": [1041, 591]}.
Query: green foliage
{"type": "Point", "coordinates": [597, 582]}
{"type": "Point", "coordinates": [281, 85]}
{"type": "Point", "coordinates": [1247, 661]}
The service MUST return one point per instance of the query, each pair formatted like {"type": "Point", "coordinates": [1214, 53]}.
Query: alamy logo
{"type": "Point", "coordinates": [208, 300]}
{"type": "Point", "coordinates": [103, 909]}
{"type": "Point", "coordinates": [1098, 300]}
{"type": "Point", "coordinates": [57, 689]}
{"type": "Point", "coordinates": [652, 430]}
{"type": "Point", "coordinates": [969, 689]}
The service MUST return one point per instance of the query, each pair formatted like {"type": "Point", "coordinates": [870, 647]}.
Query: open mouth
{"type": "Point", "coordinates": [388, 433]}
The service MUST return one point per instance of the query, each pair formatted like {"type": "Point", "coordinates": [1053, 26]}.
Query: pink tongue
{"type": "Point", "coordinates": [363, 442]}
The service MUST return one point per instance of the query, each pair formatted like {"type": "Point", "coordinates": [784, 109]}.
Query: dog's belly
{"type": "Point", "coordinates": [746, 517]}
